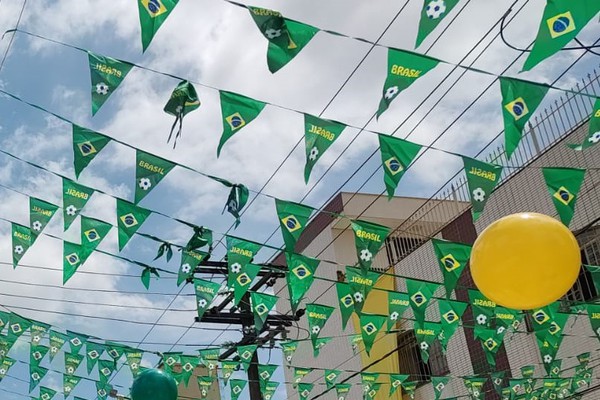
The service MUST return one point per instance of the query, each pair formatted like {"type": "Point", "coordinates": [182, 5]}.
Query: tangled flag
{"type": "Point", "coordinates": [561, 22]}
{"type": "Point", "coordinates": [153, 13]}
{"type": "Point", "coordinates": [183, 100]}
{"type": "Point", "coordinates": [107, 74]}
{"type": "Point", "coordinates": [432, 14]}
{"type": "Point", "coordinates": [286, 38]}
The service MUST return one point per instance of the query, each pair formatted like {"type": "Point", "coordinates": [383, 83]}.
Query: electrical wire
{"type": "Point", "coordinates": [12, 38]}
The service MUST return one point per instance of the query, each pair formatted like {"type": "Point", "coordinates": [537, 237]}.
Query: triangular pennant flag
{"type": "Point", "coordinates": [40, 214]}
{"type": "Point", "coordinates": [129, 219]}
{"type": "Point", "coordinates": [319, 344]}
{"type": "Point", "coordinates": [93, 352]}
{"type": "Point", "coordinates": [36, 374]}
{"type": "Point", "coordinates": [593, 311]}
{"type": "Point", "coordinates": [331, 376]}
{"type": "Point", "coordinates": [439, 384]}
{"type": "Point", "coordinates": [189, 261]}
{"type": "Point", "coordinates": [57, 341]}
{"type": "Point", "coordinates": [319, 135]}
{"type": "Point", "coordinates": [205, 294]}
{"type": "Point", "coordinates": [409, 388]}
{"type": "Point", "coordinates": [106, 74]}
{"type": "Point", "coordinates": [87, 144]}
{"type": "Point", "coordinates": [228, 368]}
{"type": "Point", "coordinates": [69, 384]}
{"type": "Point", "coordinates": [368, 239]}
{"type": "Point", "coordinates": [451, 312]}
{"type": "Point", "coordinates": [289, 347]}
{"type": "Point", "coordinates": [77, 341]}
{"type": "Point", "coordinates": [520, 99]}
{"type": "Point", "coordinates": [593, 135]}
{"type": "Point", "coordinates": [72, 259]}
{"type": "Point", "coordinates": [498, 380]}
{"type": "Point", "coordinates": [342, 390]}
{"type": "Point", "coordinates": [370, 325]}
{"type": "Point", "coordinates": [149, 171]}
{"type": "Point", "coordinates": [345, 301]}
{"type": "Point", "coordinates": [432, 14]}
{"type": "Point", "coordinates": [361, 284]}
{"type": "Point", "coordinates": [115, 350]}
{"type": "Point", "coordinates": [153, 13]}
{"type": "Point", "coordinates": [246, 353]}
{"type": "Point", "coordinates": [452, 258]}
{"type": "Point", "coordinates": [262, 304]}
{"type": "Point", "coordinates": [239, 254]}
{"type": "Point", "coordinates": [483, 310]}
{"type": "Point", "coordinates": [38, 331]}
{"type": "Point", "coordinates": [183, 100]}
{"type": "Point", "coordinates": [426, 333]}
{"type": "Point", "coordinates": [397, 305]}
{"type": "Point", "coordinates": [103, 390]}
{"type": "Point", "coordinates": [396, 155]}
{"type": "Point", "coordinates": [75, 196]}
{"type": "Point", "coordinates": [299, 374]}
{"type": "Point", "coordinates": [563, 185]}
{"type": "Point", "coordinates": [396, 381]}
{"type": "Point", "coordinates": [286, 38]}
{"type": "Point", "coordinates": [4, 319]}
{"type": "Point", "coordinates": [188, 364]}
{"type": "Point", "coordinates": [237, 386]}
{"type": "Point", "coordinates": [482, 178]}
{"type": "Point", "coordinates": [5, 365]}
{"type": "Point", "coordinates": [265, 372]}
{"type": "Point", "coordinates": [21, 241]}
{"type": "Point", "coordinates": [404, 68]}
{"type": "Point", "coordinates": [134, 360]}
{"type": "Point", "coordinates": [491, 341]}
{"type": "Point", "coordinates": [170, 359]}
{"type": "Point", "coordinates": [293, 218]}
{"type": "Point", "coordinates": [46, 393]}
{"type": "Point", "coordinates": [204, 383]}
{"type": "Point", "coordinates": [237, 111]}
{"type": "Point", "coordinates": [6, 343]}
{"type": "Point", "coordinates": [420, 294]}
{"type": "Point", "coordinates": [561, 22]}
{"type": "Point", "coordinates": [368, 379]}
{"type": "Point", "coordinates": [268, 391]}
{"type": "Point", "coordinates": [507, 318]}
{"type": "Point", "coordinates": [72, 362]}
{"type": "Point", "coordinates": [93, 231]}
{"type": "Point", "coordinates": [474, 386]}
{"type": "Point", "coordinates": [17, 327]}
{"type": "Point", "coordinates": [304, 390]}
{"type": "Point", "coordinates": [300, 276]}
{"type": "Point", "coordinates": [37, 354]}
{"type": "Point", "coordinates": [210, 359]}
{"type": "Point", "coordinates": [317, 315]}
{"type": "Point", "coordinates": [105, 369]}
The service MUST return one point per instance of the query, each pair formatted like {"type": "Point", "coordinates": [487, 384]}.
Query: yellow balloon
{"type": "Point", "coordinates": [525, 261]}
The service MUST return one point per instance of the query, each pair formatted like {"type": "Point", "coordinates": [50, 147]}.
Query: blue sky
{"type": "Point", "coordinates": [215, 43]}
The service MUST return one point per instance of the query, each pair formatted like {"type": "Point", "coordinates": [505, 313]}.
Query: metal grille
{"type": "Point", "coordinates": [410, 361]}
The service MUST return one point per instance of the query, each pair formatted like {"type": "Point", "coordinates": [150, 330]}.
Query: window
{"type": "Point", "coordinates": [584, 289]}
{"type": "Point", "coordinates": [410, 361]}
{"type": "Point", "coordinates": [398, 247]}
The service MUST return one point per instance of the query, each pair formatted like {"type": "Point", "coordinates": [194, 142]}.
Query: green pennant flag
{"type": "Point", "coordinates": [17, 327]}
{"type": "Point", "coordinates": [237, 199]}
{"type": "Point", "coordinates": [420, 294]}
{"type": "Point", "coordinates": [268, 391]}
{"type": "Point", "coordinates": [491, 341]}
{"type": "Point", "coordinates": [105, 370]}
{"type": "Point", "coordinates": [286, 38]}
{"type": "Point", "coordinates": [331, 376]}
{"type": "Point", "coordinates": [439, 384]}
{"type": "Point", "coordinates": [370, 325]}
{"type": "Point", "coordinates": [561, 22]}
{"type": "Point", "coordinates": [242, 282]}
{"type": "Point", "coordinates": [189, 261]}
{"type": "Point", "coordinates": [397, 305]}
{"type": "Point", "coordinates": [46, 393]}
{"type": "Point", "coordinates": [134, 360]}
{"type": "Point", "coordinates": [319, 344]}
{"type": "Point", "coordinates": [543, 316]}
{"type": "Point", "coordinates": [40, 214]}
{"type": "Point", "coordinates": [237, 111]}
{"type": "Point", "coordinates": [75, 196]}
{"type": "Point", "coordinates": [4, 319]}
{"type": "Point", "coordinates": [72, 256]}
{"type": "Point", "coordinates": [210, 359]}
{"type": "Point", "coordinates": [36, 374]}
{"type": "Point", "coordinates": [153, 13]}
{"type": "Point", "coordinates": [188, 364]}
{"type": "Point", "coordinates": [239, 254]}
{"type": "Point", "coordinates": [237, 386]}
{"type": "Point", "coordinates": [205, 294]}
{"type": "Point", "coordinates": [368, 239]}
{"type": "Point", "coordinates": [57, 341]}
{"type": "Point", "coordinates": [106, 74]}
{"type": "Point", "coordinates": [409, 388]}
{"type": "Point", "coordinates": [300, 276]}
{"type": "Point", "coordinates": [115, 350]}
{"type": "Point", "coordinates": [87, 144]}
{"type": "Point", "coordinates": [345, 302]}
{"type": "Point", "coordinates": [404, 68]}
{"type": "Point", "coordinates": [293, 218]}
{"type": "Point", "coordinates": [554, 368]}
{"type": "Point", "coordinates": [149, 171]}
{"type": "Point", "coordinates": [21, 241]}
{"type": "Point", "coordinates": [507, 318]}
{"type": "Point", "coordinates": [38, 331]}
{"type": "Point", "coordinates": [37, 352]}
{"type": "Point", "coordinates": [246, 353]}
{"type": "Point", "coordinates": [205, 383]}
{"type": "Point", "coordinates": [426, 333]}
{"type": "Point", "coordinates": [593, 311]}
{"type": "Point", "coordinates": [396, 155]}
{"type": "Point", "coordinates": [342, 390]}
{"type": "Point", "coordinates": [520, 99]}
{"type": "Point", "coordinates": [498, 380]}
{"type": "Point", "coordinates": [265, 372]}
{"type": "Point", "coordinates": [474, 385]}
{"type": "Point", "coordinates": [432, 14]}
{"type": "Point", "coordinates": [481, 181]}
{"type": "Point", "coordinates": [289, 347]}
{"type": "Point", "coordinates": [183, 100]}
{"type": "Point", "coordinates": [201, 237]}
{"type": "Point", "coordinates": [451, 312]}
{"type": "Point", "coordinates": [76, 341]}
{"type": "Point", "coordinates": [93, 352]}
{"type": "Point", "coordinates": [93, 231]}
{"type": "Point", "coordinates": [6, 343]}
{"type": "Point", "coordinates": [584, 359]}
{"type": "Point", "coordinates": [262, 304]}
{"type": "Point", "coordinates": [563, 185]}
{"type": "Point", "coordinates": [527, 372]}
{"type": "Point", "coordinates": [548, 349]}
{"type": "Point", "coordinates": [361, 284]}
{"type": "Point", "coordinates": [452, 258]}
{"type": "Point", "coordinates": [169, 360]}
{"type": "Point", "coordinates": [129, 219]}
{"type": "Point", "coordinates": [5, 365]}
{"type": "Point", "coordinates": [299, 374]}
{"type": "Point", "coordinates": [103, 390]}
{"type": "Point", "coordinates": [317, 315]}
{"type": "Point", "coordinates": [319, 135]}
{"type": "Point", "coordinates": [367, 380]}
{"type": "Point", "coordinates": [373, 390]}
{"type": "Point", "coordinates": [69, 384]}
{"type": "Point", "coordinates": [227, 369]}
{"type": "Point", "coordinates": [593, 135]}
{"type": "Point", "coordinates": [483, 309]}
{"type": "Point", "coordinates": [396, 381]}
{"type": "Point", "coordinates": [72, 362]}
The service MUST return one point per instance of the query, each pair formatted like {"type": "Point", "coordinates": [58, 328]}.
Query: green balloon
{"type": "Point", "coordinates": [154, 384]}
